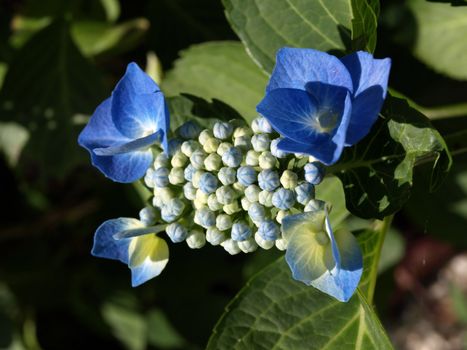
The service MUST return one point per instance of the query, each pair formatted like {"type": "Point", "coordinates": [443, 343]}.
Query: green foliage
{"type": "Point", "coordinates": [60, 83]}
{"type": "Point", "coordinates": [220, 70]}
{"type": "Point", "coordinates": [377, 173]}
{"type": "Point", "coordinates": [264, 26]}
{"type": "Point", "coordinates": [440, 36]}
{"type": "Point", "coordinates": [275, 312]}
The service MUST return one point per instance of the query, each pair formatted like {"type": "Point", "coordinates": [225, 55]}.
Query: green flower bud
{"type": "Point", "coordinates": [227, 176]}
{"type": "Point", "coordinates": [252, 193]}
{"type": "Point", "coordinates": [213, 162]}
{"type": "Point", "coordinates": [204, 136]}
{"type": "Point", "coordinates": [213, 203]}
{"type": "Point", "coordinates": [196, 239]}
{"type": "Point", "coordinates": [252, 158]}
{"type": "Point", "coordinates": [289, 180]}
{"type": "Point", "coordinates": [211, 145]}
{"type": "Point", "coordinates": [260, 142]}
{"type": "Point", "coordinates": [201, 199]}
{"type": "Point", "coordinates": [177, 176]}
{"type": "Point", "coordinates": [231, 246]}
{"type": "Point", "coordinates": [237, 186]}
{"type": "Point", "coordinates": [265, 198]}
{"type": "Point", "coordinates": [179, 160]}
{"type": "Point", "coordinates": [223, 147]}
{"type": "Point", "coordinates": [189, 147]}
{"type": "Point", "coordinates": [223, 222]}
{"type": "Point", "coordinates": [196, 178]}
{"type": "Point", "coordinates": [266, 160]}
{"type": "Point", "coordinates": [225, 195]}
{"type": "Point", "coordinates": [242, 131]}
{"type": "Point", "coordinates": [214, 236]}
{"type": "Point", "coordinates": [281, 244]}
{"type": "Point", "coordinates": [248, 246]}
{"type": "Point", "coordinates": [231, 208]}
{"type": "Point", "coordinates": [262, 242]}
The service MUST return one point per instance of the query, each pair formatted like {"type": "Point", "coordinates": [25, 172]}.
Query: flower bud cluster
{"type": "Point", "coordinates": [229, 186]}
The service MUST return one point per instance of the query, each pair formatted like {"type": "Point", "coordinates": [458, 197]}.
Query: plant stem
{"type": "Point", "coordinates": [381, 228]}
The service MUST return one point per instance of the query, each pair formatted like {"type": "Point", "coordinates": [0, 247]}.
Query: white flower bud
{"type": "Point", "coordinates": [196, 239]}
{"type": "Point", "coordinates": [176, 232]}
{"type": "Point", "coordinates": [231, 208]}
{"type": "Point", "coordinates": [243, 142]}
{"type": "Point", "coordinates": [178, 160]}
{"type": "Point", "coordinates": [211, 145]}
{"type": "Point", "coordinates": [222, 130]}
{"type": "Point", "coordinates": [266, 160]}
{"type": "Point", "coordinates": [242, 131]}
{"type": "Point", "coordinates": [213, 203]}
{"type": "Point", "coordinates": [177, 176]}
{"type": "Point", "coordinates": [248, 246]}
{"type": "Point", "coordinates": [252, 193]}
{"type": "Point", "coordinates": [213, 162]}
{"type": "Point", "coordinates": [260, 142]}
{"type": "Point", "coordinates": [205, 217]}
{"type": "Point", "coordinates": [223, 222]}
{"type": "Point", "coordinates": [214, 236]}
{"type": "Point", "coordinates": [262, 242]}
{"type": "Point", "coordinates": [227, 176]}
{"type": "Point", "coordinates": [314, 205]}
{"type": "Point", "coordinates": [162, 195]}
{"type": "Point", "coordinates": [275, 151]}
{"type": "Point", "coordinates": [265, 198]}
{"type": "Point", "coordinates": [225, 194]}
{"type": "Point", "coordinates": [252, 158]}
{"type": "Point", "coordinates": [172, 210]}
{"type": "Point", "coordinates": [281, 244]}
{"type": "Point", "coordinates": [282, 214]}
{"type": "Point", "coordinates": [147, 216]}
{"type": "Point", "coordinates": [149, 178]}
{"type": "Point", "coordinates": [261, 125]}
{"type": "Point", "coordinates": [289, 179]}
{"type": "Point", "coordinates": [189, 191]}
{"type": "Point", "coordinates": [233, 157]}
{"type": "Point", "coordinates": [197, 159]}
{"type": "Point", "coordinates": [223, 147]}
{"type": "Point", "coordinates": [201, 199]}
{"type": "Point", "coordinates": [204, 136]}
{"type": "Point", "coordinates": [245, 203]}
{"type": "Point", "coordinates": [161, 161]}
{"type": "Point", "coordinates": [231, 246]}
{"type": "Point", "coordinates": [190, 146]}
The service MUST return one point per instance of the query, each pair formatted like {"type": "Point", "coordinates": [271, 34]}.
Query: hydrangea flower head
{"type": "Point", "coordinates": [320, 103]}
{"type": "Point", "coordinates": [124, 126]}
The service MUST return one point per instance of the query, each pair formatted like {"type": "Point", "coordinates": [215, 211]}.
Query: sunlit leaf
{"type": "Point", "coordinates": [275, 312]}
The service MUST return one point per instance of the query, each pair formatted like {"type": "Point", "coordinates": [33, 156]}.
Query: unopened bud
{"type": "Point", "coordinates": [196, 239]}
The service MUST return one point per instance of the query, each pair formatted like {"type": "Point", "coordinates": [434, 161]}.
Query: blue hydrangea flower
{"type": "Point", "coordinates": [320, 103]}
{"type": "Point", "coordinates": [331, 262]}
{"type": "Point", "coordinates": [134, 244]}
{"type": "Point", "coordinates": [124, 126]}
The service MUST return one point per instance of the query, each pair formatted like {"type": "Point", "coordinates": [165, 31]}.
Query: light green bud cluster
{"type": "Point", "coordinates": [229, 186]}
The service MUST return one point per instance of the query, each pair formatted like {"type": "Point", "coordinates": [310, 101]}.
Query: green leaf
{"type": "Point", "coordinates": [13, 138]}
{"type": "Point", "coordinates": [275, 312]}
{"type": "Point", "coordinates": [264, 26]}
{"type": "Point", "coordinates": [330, 190]}
{"type": "Point", "coordinates": [440, 36]}
{"type": "Point", "coordinates": [60, 84]}
{"type": "Point", "coordinates": [220, 70]}
{"type": "Point", "coordinates": [96, 38]}
{"type": "Point", "coordinates": [161, 332]}
{"type": "Point", "coordinates": [377, 172]}
{"type": "Point", "coordinates": [189, 107]}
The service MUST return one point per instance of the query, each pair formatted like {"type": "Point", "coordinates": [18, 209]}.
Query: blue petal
{"type": "Point", "coordinates": [326, 149]}
{"type": "Point", "coordinates": [105, 246]}
{"type": "Point", "coordinates": [296, 67]}
{"type": "Point", "coordinates": [100, 130]}
{"type": "Point", "coordinates": [132, 146]}
{"type": "Point", "coordinates": [149, 255]}
{"type": "Point", "coordinates": [334, 267]}
{"type": "Point", "coordinates": [370, 80]}
{"type": "Point", "coordinates": [126, 167]}
{"type": "Point", "coordinates": [138, 105]}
